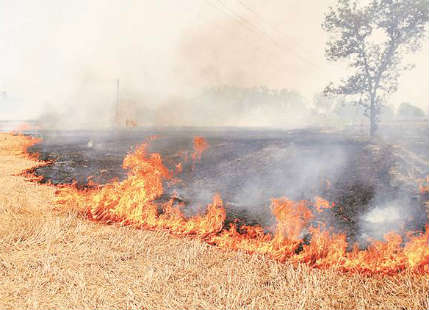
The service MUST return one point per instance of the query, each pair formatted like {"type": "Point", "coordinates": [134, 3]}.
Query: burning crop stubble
{"type": "Point", "coordinates": [260, 195]}
{"type": "Point", "coordinates": [299, 234]}
{"type": "Point", "coordinates": [138, 264]}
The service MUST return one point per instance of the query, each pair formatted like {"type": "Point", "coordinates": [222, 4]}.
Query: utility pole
{"type": "Point", "coordinates": [117, 108]}
{"type": "Point", "coordinates": [117, 93]}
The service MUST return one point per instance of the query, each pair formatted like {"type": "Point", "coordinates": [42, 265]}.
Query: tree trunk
{"type": "Point", "coordinates": [372, 117]}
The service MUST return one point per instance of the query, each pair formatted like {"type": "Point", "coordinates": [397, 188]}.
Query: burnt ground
{"type": "Point", "coordinates": [249, 167]}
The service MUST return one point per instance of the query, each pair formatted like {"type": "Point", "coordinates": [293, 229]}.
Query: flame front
{"type": "Point", "coordinates": [200, 145]}
{"type": "Point", "coordinates": [133, 201]}
{"type": "Point", "coordinates": [20, 146]}
{"type": "Point", "coordinates": [424, 186]}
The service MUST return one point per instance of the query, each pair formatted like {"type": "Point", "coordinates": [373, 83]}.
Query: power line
{"type": "Point", "coordinates": [267, 23]}
{"type": "Point", "coordinates": [256, 29]}
{"type": "Point", "coordinates": [242, 23]}
{"type": "Point", "coordinates": [238, 19]}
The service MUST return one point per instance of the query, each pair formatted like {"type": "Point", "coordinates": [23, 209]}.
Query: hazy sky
{"type": "Point", "coordinates": [57, 53]}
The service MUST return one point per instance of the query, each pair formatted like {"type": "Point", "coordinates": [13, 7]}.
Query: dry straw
{"type": "Point", "coordinates": [53, 259]}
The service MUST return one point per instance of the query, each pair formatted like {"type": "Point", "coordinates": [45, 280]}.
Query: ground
{"type": "Point", "coordinates": [52, 258]}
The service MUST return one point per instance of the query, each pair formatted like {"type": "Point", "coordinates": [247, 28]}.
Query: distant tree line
{"type": "Point", "coordinates": [341, 108]}
{"type": "Point", "coordinates": [253, 106]}
{"type": "Point", "coordinates": [259, 106]}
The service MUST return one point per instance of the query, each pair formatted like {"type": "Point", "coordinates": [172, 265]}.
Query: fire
{"type": "Point", "coordinates": [179, 167]}
{"type": "Point", "coordinates": [296, 238]}
{"type": "Point", "coordinates": [200, 145]}
{"type": "Point", "coordinates": [25, 127]}
{"type": "Point", "coordinates": [132, 200]}
{"type": "Point", "coordinates": [321, 204]}
{"type": "Point", "coordinates": [29, 141]}
{"type": "Point", "coordinates": [19, 144]}
{"type": "Point", "coordinates": [424, 186]}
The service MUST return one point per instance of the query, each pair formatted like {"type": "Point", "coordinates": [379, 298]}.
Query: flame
{"type": "Point", "coordinates": [179, 167]}
{"type": "Point", "coordinates": [30, 141]}
{"type": "Point", "coordinates": [25, 127]}
{"type": "Point", "coordinates": [200, 145]}
{"type": "Point", "coordinates": [321, 204]}
{"type": "Point", "coordinates": [133, 201]}
{"type": "Point", "coordinates": [130, 123]}
{"type": "Point", "coordinates": [424, 186]}
{"type": "Point", "coordinates": [20, 145]}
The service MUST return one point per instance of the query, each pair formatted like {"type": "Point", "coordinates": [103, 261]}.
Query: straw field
{"type": "Point", "coordinates": [52, 258]}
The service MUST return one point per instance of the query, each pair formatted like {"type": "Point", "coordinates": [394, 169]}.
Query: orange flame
{"type": "Point", "coordinates": [200, 145]}
{"type": "Point", "coordinates": [320, 204]}
{"type": "Point", "coordinates": [179, 167]}
{"type": "Point", "coordinates": [30, 141]}
{"type": "Point", "coordinates": [24, 127]}
{"type": "Point", "coordinates": [424, 186]}
{"type": "Point", "coordinates": [133, 202]}
{"type": "Point", "coordinates": [20, 146]}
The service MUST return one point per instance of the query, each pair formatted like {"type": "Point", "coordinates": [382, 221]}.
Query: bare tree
{"type": "Point", "coordinates": [373, 38]}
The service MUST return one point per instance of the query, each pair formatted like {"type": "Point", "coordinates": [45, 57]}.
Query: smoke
{"type": "Point", "coordinates": [248, 171]}
{"type": "Point", "coordinates": [397, 204]}
{"type": "Point", "coordinates": [250, 167]}
{"type": "Point", "coordinates": [383, 219]}
{"type": "Point", "coordinates": [396, 215]}
{"type": "Point", "coordinates": [193, 63]}
{"type": "Point", "coordinates": [66, 56]}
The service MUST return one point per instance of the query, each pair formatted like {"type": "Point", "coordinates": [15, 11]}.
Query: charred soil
{"type": "Point", "coordinates": [53, 259]}
{"type": "Point", "coordinates": [249, 167]}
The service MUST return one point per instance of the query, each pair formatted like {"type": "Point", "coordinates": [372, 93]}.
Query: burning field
{"type": "Point", "coordinates": [265, 219]}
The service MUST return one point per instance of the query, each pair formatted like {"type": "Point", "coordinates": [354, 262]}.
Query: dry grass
{"type": "Point", "coordinates": [53, 259]}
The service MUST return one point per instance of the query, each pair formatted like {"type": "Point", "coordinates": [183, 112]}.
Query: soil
{"type": "Point", "coordinates": [249, 167]}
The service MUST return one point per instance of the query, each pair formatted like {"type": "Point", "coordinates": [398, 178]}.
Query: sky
{"type": "Point", "coordinates": [66, 55]}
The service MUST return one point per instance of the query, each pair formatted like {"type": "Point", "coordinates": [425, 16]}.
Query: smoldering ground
{"type": "Point", "coordinates": [248, 168]}
{"type": "Point", "coordinates": [219, 70]}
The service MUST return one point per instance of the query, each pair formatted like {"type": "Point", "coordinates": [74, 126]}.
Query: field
{"type": "Point", "coordinates": [55, 258]}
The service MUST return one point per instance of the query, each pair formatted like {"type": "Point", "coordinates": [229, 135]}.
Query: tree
{"type": "Point", "coordinates": [409, 111]}
{"type": "Point", "coordinates": [373, 39]}
{"type": "Point", "coordinates": [323, 104]}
